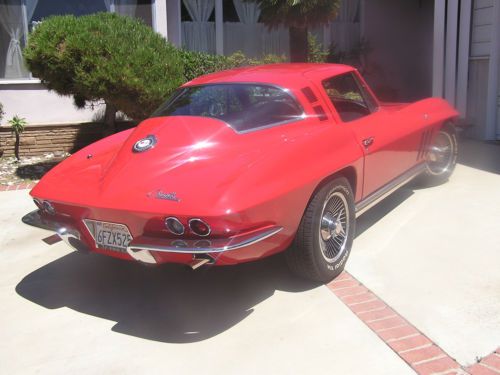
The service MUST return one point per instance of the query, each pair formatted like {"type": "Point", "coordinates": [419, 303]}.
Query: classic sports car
{"type": "Point", "coordinates": [242, 164]}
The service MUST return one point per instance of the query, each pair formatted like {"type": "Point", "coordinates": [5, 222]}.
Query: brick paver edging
{"type": "Point", "coordinates": [416, 349]}
{"type": "Point", "coordinates": [27, 185]}
{"type": "Point", "coordinates": [489, 365]}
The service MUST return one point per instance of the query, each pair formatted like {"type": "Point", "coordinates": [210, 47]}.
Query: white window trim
{"type": "Point", "coordinates": [20, 81]}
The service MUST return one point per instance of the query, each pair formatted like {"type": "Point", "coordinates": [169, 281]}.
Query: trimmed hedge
{"type": "Point", "coordinates": [107, 57]}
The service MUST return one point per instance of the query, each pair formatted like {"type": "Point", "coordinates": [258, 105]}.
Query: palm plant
{"type": "Point", "coordinates": [298, 16]}
{"type": "Point", "coordinates": [17, 124]}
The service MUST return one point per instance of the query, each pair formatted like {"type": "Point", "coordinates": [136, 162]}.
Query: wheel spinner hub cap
{"type": "Point", "coordinates": [331, 226]}
{"type": "Point", "coordinates": [334, 227]}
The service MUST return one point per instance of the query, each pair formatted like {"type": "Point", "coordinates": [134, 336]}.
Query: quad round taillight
{"type": "Point", "coordinates": [199, 227]}
{"type": "Point", "coordinates": [174, 226]}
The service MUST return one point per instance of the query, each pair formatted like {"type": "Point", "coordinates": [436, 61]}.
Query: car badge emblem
{"type": "Point", "coordinates": [145, 144]}
{"type": "Point", "coordinates": [164, 196]}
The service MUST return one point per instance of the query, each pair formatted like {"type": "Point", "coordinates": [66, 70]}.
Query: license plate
{"type": "Point", "coordinates": [109, 236]}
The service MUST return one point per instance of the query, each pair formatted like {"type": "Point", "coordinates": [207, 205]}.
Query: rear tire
{"type": "Point", "coordinates": [441, 158]}
{"type": "Point", "coordinates": [324, 239]}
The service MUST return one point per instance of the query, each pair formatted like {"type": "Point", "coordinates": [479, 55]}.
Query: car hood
{"type": "Point", "coordinates": [192, 165]}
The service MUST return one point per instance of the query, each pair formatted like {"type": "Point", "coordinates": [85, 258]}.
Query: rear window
{"type": "Point", "coordinates": [243, 106]}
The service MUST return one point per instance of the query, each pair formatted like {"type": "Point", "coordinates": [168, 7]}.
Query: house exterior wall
{"type": "Point", "coordinates": [483, 107]}
{"type": "Point", "coordinates": [399, 36]}
{"type": "Point", "coordinates": [482, 28]}
{"type": "Point", "coordinates": [37, 105]}
{"type": "Point", "coordinates": [479, 65]}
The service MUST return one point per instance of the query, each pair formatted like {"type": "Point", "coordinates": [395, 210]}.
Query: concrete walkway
{"type": "Point", "coordinates": [431, 254]}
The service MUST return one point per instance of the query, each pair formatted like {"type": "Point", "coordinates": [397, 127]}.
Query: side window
{"type": "Point", "coordinates": [348, 97]}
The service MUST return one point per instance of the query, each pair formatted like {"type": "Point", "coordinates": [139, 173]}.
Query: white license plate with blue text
{"type": "Point", "coordinates": [109, 236]}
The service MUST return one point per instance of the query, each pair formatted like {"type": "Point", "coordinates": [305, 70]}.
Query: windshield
{"type": "Point", "coordinates": [243, 106]}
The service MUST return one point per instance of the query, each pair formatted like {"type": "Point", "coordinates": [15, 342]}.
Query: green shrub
{"type": "Point", "coordinates": [105, 57]}
{"type": "Point", "coordinates": [1, 112]}
{"type": "Point", "coordinates": [200, 63]}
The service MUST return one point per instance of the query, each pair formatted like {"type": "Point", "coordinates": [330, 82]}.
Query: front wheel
{"type": "Point", "coordinates": [324, 239]}
{"type": "Point", "coordinates": [441, 157]}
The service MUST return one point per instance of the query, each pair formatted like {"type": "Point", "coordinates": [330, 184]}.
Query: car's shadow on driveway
{"type": "Point", "coordinates": [168, 304]}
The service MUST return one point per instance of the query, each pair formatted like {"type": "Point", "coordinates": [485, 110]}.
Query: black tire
{"type": "Point", "coordinates": [441, 157]}
{"type": "Point", "coordinates": [313, 257]}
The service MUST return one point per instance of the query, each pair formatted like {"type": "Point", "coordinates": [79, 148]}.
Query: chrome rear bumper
{"type": "Point", "coordinates": [141, 248]}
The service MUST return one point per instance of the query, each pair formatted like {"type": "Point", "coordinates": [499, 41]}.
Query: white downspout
{"type": "Point", "coordinates": [463, 55]}
{"type": "Point", "coordinates": [492, 123]}
{"type": "Point", "coordinates": [450, 80]}
{"type": "Point", "coordinates": [438, 50]}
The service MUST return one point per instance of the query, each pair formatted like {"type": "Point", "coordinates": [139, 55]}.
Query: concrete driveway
{"type": "Point", "coordinates": [432, 255]}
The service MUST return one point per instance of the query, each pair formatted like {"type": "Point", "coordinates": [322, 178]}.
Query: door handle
{"type": "Point", "coordinates": [368, 142]}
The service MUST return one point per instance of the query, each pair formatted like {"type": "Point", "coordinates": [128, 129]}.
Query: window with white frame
{"type": "Point", "coordinates": [18, 17]}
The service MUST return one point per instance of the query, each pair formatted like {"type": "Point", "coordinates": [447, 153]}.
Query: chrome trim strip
{"type": "Point", "coordinates": [214, 246]}
{"type": "Point", "coordinates": [138, 244]}
{"type": "Point", "coordinates": [375, 197]}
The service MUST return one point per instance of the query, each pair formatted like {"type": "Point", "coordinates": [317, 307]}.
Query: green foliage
{"type": "Point", "coordinates": [297, 13]}
{"type": "Point", "coordinates": [199, 63]}
{"type": "Point", "coordinates": [1, 112]}
{"type": "Point", "coordinates": [107, 57]}
{"type": "Point", "coordinates": [316, 52]}
{"type": "Point", "coordinates": [17, 124]}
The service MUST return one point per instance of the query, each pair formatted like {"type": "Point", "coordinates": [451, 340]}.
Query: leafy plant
{"type": "Point", "coordinates": [316, 52]}
{"type": "Point", "coordinates": [17, 125]}
{"type": "Point", "coordinates": [106, 58]}
{"type": "Point", "coordinates": [200, 63]}
{"type": "Point", "coordinates": [2, 113]}
{"type": "Point", "coordinates": [298, 16]}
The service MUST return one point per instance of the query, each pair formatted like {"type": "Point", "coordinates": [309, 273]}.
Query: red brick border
{"type": "Point", "coordinates": [489, 365]}
{"type": "Point", "coordinates": [22, 186]}
{"type": "Point", "coordinates": [416, 349]}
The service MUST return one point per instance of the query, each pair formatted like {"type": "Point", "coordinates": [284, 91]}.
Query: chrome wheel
{"type": "Point", "coordinates": [440, 157]}
{"type": "Point", "coordinates": [334, 227]}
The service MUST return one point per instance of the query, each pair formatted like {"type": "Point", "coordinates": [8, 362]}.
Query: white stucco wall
{"type": "Point", "coordinates": [39, 106]}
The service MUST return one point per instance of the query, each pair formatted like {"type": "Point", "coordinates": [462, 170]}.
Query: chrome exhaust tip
{"type": "Point", "coordinates": [141, 255]}
{"type": "Point", "coordinates": [198, 262]}
{"type": "Point", "coordinates": [72, 239]}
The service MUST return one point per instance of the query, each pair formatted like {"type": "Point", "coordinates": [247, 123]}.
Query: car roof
{"type": "Point", "coordinates": [292, 75]}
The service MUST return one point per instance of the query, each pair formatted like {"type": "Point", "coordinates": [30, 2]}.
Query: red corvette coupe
{"type": "Point", "coordinates": [242, 164]}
